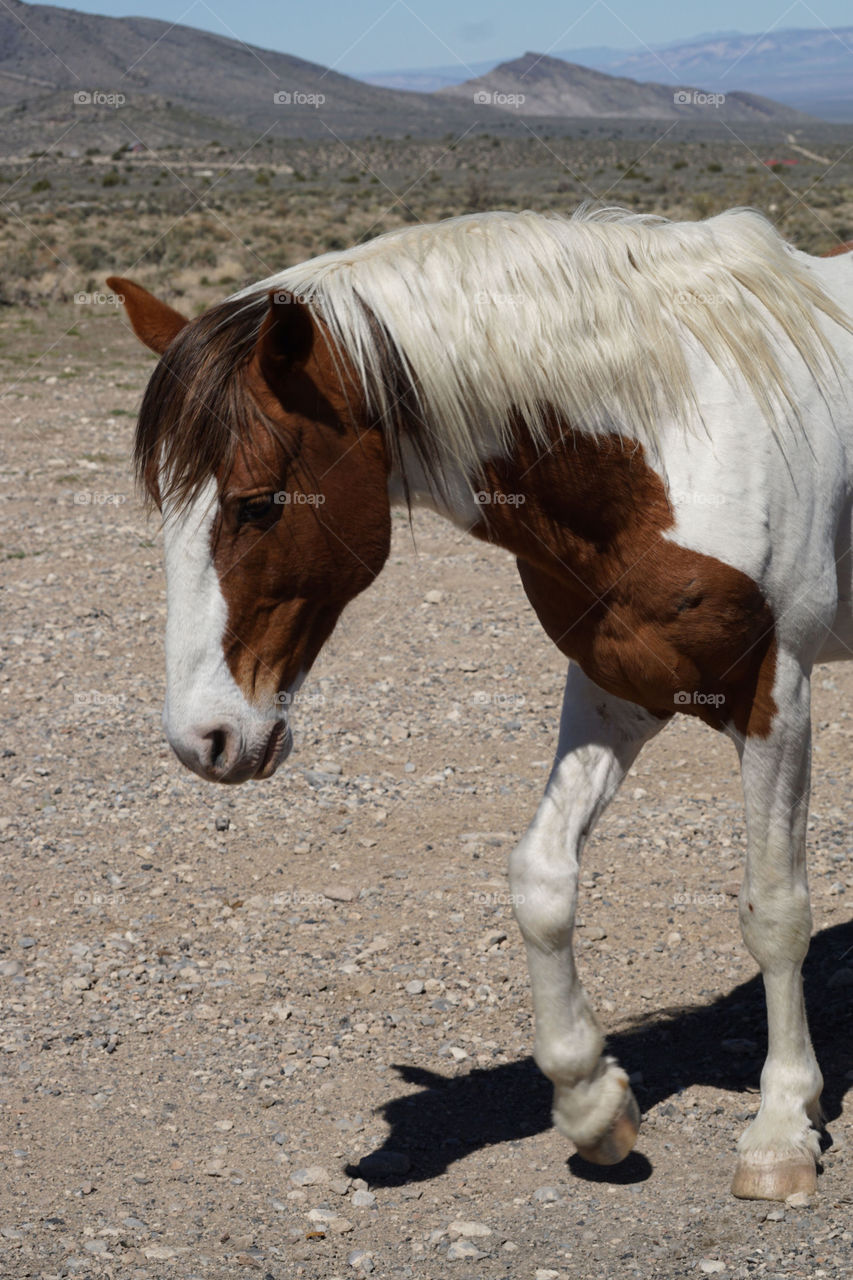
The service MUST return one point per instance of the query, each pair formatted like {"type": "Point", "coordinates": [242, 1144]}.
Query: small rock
{"type": "Point", "coordinates": [463, 1249]}
{"type": "Point", "coordinates": [775, 1215]}
{"type": "Point", "coordinates": [159, 1253]}
{"type": "Point", "coordinates": [314, 1176]}
{"type": "Point", "coordinates": [222, 823]}
{"type": "Point", "coordinates": [546, 1195]}
{"type": "Point", "coordinates": [545, 1273]}
{"type": "Point", "coordinates": [363, 1199]}
{"type": "Point", "coordinates": [10, 968]}
{"type": "Point", "coordinates": [468, 1230]}
{"type": "Point", "coordinates": [673, 939]}
{"type": "Point", "coordinates": [711, 1266]}
{"type": "Point", "coordinates": [361, 1260]}
{"type": "Point", "coordinates": [739, 1044]}
{"type": "Point", "coordinates": [331, 1220]}
{"type": "Point", "coordinates": [95, 1246]}
{"type": "Point", "coordinates": [799, 1200]}
{"type": "Point", "coordinates": [415, 987]}
{"type": "Point", "coordinates": [491, 939]}
{"type": "Point", "coordinates": [434, 597]}
{"type": "Point", "coordinates": [340, 893]}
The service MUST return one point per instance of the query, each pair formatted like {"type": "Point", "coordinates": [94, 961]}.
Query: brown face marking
{"type": "Point", "coordinates": [287, 577]}
{"type": "Point", "coordinates": [647, 620]}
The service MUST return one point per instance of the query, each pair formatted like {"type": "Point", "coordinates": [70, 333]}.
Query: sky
{"type": "Point", "coordinates": [355, 36]}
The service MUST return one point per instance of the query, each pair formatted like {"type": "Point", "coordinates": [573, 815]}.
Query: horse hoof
{"type": "Point", "coordinates": [774, 1180]}
{"type": "Point", "coordinates": [615, 1144]}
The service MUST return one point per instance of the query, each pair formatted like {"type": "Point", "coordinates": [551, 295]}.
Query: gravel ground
{"type": "Point", "coordinates": [284, 1030]}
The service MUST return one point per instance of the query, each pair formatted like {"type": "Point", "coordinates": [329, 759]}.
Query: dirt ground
{"type": "Point", "coordinates": [217, 1003]}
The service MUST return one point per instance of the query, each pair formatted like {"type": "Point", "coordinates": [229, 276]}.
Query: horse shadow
{"type": "Point", "coordinates": [668, 1051]}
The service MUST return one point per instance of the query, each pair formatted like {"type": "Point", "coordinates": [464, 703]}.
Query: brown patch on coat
{"type": "Point", "coordinates": [647, 620]}
{"type": "Point", "coordinates": [847, 247]}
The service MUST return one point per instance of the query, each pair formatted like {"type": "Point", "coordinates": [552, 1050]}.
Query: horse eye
{"type": "Point", "coordinates": [250, 510]}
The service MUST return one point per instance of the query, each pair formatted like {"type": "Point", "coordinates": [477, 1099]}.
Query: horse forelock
{"type": "Point", "coordinates": [197, 409]}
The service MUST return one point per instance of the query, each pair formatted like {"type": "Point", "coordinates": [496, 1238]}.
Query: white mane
{"type": "Point", "coordinates": [499, 316]}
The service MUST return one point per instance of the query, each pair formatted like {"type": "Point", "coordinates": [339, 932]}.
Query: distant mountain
{"type": "Point", "coordinates": [539, 85]}
{"type": "Point", "coordinates": [810, 70]}
{"type": "Point", "coordinates": [184, 83]}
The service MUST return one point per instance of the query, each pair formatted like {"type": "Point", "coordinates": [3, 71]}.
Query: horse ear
{"type": "Point", "coordinates": [286, 336]}
{"type": "Point", "coordinates": [155, 323]}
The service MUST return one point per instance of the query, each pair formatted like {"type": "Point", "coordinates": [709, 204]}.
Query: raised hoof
{"type": "Point", "coordinates": [619, 1139]}
{"type": "Point", "coordinates": [774, 1180]}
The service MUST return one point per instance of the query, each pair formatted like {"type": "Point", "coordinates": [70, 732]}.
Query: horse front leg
{"type": "Point", "coordinates": [600, 737]}
{"type": "Point", "coordinates": [777, 1155]}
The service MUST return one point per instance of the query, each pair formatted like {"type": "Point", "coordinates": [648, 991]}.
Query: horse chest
{"type": "Point", "coordinates": [650, 621]}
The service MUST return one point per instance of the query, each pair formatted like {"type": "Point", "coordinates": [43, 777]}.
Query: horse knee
{"type": "Point", "coordinates": [544, 893]}
{"type": "Point", "coordinates": [776, 926]}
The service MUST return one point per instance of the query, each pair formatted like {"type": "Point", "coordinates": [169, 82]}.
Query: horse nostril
{"type": "Point", "coordinates": [217, 747]}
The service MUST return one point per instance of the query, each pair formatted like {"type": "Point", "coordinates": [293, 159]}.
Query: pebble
{"type": "Point", "coordinates": [711, 1266]}
{"type": "Point", "coordinates": [739, 1044]}
{"type": "Point", "coordinates": [491, 939]}
{"type": "Point", "coordinates": [463, 1249]}
{"type": "Point", "coordinates": [775, 1215]}
{"type": "Point", "coordinates": [415, 987]}
{"type": "Point", "coordinates": [546, 1195]}
{"type": "Point", "coordinates": [315, 1175]}
{"type": "Point", "coordinates": [361, 1260]}
{"type": "Point", "coordinates": [10, 968]}
{"type": "Point", "coordinates": [340, 893]}
{"type": "Point", "coordinates": [468, 1230]}
{"type": "Point", "coordinates": [545, 1273]}
{"type": "Point", "coordinates": [363, 1199]}
{"type": "Point", "coordinates": [222, 823]}
{"type": "Point", "coordinates": [331, 1220]}
{"type": "Point", "coordinates": [799, 1200]}
{"type": "Point", "coordinates": [434, 597]}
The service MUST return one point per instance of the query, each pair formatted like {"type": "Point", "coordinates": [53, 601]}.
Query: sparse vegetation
{"type": "Point", "coordinates": [156, 215]}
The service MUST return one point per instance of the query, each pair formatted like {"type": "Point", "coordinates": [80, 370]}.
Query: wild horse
{"type": "Point", "coordinates": [660, 415]}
